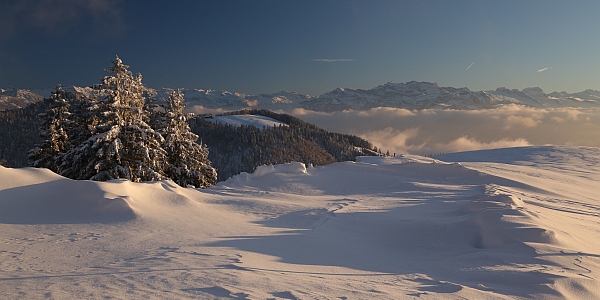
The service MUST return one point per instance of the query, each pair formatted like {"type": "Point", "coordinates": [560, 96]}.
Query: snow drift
{"type": "Point", "coordinates": [506, 223]}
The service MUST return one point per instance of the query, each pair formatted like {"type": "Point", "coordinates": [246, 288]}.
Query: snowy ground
{"type": "Point", "coordinates": [502, 224]}
{"type": "Point", "coordinates": [254, 120]}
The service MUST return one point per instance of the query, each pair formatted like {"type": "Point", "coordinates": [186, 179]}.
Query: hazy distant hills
{"type": "Point", "coordinates": [16, 98]}
{"type": "Point", "coordinates": [425, 95]}
{"type": "Point", "coordinates": [409, 95]}
{"type": "Point", "coordinates": [225, 99]}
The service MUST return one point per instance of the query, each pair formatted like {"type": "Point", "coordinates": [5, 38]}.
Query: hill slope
{"type": "Point", "coordinates": [236, 147]}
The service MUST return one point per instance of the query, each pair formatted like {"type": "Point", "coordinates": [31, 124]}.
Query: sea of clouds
{"type": "Point", "coordinates": [428, 132]}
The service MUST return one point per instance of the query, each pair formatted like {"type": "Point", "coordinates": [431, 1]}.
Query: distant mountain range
{"type": "Point", "coordinates": [425, 95]}
{"type": "Point", "coordinates": [16, 98]}
{"type": "Point", "coordinates": [410, 95]}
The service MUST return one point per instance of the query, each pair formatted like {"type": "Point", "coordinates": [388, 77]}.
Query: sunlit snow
{"type": "Point", "coordinates": [247, 120]}
{"type": "Point", "coordinates": [493, 224]}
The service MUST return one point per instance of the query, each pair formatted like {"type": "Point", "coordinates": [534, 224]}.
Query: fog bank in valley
{"type": "Point", "coordinates": [442, 131]}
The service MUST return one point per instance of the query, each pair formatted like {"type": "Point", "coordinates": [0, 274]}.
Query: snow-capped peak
{"type": "Point", "coordinates": [413, 95]}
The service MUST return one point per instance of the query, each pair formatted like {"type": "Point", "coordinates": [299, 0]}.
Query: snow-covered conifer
{"type": "Point", "coordinates": [188, 160]}
{"type": "Point", "coordinates": [56, 140]}
{"type": "Point", "coordinates": [73, 163]}
{"type": "Point", "coordinates": [120, 144]}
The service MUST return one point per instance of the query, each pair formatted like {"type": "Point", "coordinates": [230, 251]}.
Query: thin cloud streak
{"type": "Point", "coordinates": [469, 66]}
{"type": "Point", "coordinates": [544, 69]}
{"type": "Point", "coordinates": [332, 59]}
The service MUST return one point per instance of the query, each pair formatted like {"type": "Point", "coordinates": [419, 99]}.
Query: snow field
{"type": "Point", "coordinates": [247, 120]}
{"type": "Point", "coordinates": [501, 224]}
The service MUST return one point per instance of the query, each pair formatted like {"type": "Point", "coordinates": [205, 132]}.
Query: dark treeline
{"type": "Point", "coordinates": [20, 132]}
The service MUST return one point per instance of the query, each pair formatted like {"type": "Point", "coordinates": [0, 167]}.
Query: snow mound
{"type": "Point", "coordinates": [293, 167]}
{"type": "Point", "coordinates": [268, 171]}
{"type": "Point", "coordinates": [12, 178]}
{"type": "Point", "coordinates": [38, 196]}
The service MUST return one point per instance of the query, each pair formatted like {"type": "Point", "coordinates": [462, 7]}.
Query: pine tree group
{"type": "Point", "coordinates": [116, 132]}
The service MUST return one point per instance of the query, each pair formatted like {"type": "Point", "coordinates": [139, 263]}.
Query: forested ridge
{"type": "Point", "coordinates": [19, 132]}
{"type": "Point", "coordinates": [235, 149]}
{"type": "Point", "coordinates": [21, 128]}
{"type": "Point", "coordinates": [232, 149]}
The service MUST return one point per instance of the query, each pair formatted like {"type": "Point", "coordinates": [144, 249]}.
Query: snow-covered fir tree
{"type": "Point", "coordinates": [188, 162]}
{"type": "Point", "coordinates": [74, 162]}
{"type": "Point", "coordinates": [117, 131]}
{"type": "Point", "coordinates": [56, 139]}
{"type": "Point", "coordinates": [121, 143]}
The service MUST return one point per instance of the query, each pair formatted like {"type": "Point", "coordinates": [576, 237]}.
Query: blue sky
{"type": "Point", "coordinates": [306, 46]}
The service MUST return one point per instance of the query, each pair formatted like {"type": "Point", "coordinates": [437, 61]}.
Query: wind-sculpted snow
{"type": "Point", "coordinates": [514, 223]}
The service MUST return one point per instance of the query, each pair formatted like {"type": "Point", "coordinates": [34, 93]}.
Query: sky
{"type": "Point", "coordinates": [306, 46]}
